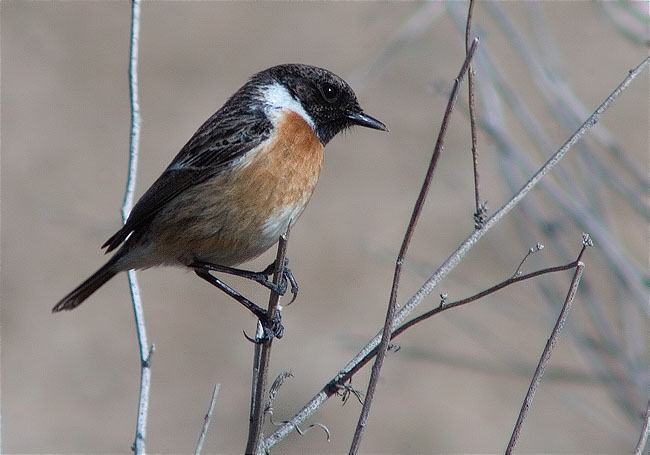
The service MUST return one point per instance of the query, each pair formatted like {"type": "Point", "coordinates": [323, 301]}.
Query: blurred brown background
{"type": "Point", "coordinates": [70, 381]}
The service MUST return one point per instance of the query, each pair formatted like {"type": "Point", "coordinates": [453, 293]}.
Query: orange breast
{"type": "Point", "coordinates": [240, 213]}
{"type": "Point", "coordinates": [280, 178]}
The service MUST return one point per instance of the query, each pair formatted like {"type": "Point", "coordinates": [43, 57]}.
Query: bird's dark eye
{"type": "Point", "coordinates": [330, 92]}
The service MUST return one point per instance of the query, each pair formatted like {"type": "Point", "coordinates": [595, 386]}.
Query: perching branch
{"type": "Point", "coordinates": [429, 285]}
{"type": "Point", "coordinates": [262, 357]}
{"type": "Point", "coordinates": [388, 325]}
{"type": "Point", "coordinates": [139, 446]}
{"type": "Point", "coordinates": [340, 385]}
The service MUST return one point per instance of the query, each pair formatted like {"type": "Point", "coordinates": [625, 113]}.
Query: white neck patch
{"type": "Point", "coordinates": [277, 99]}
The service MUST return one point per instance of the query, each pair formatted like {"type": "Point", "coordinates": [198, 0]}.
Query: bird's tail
{"type": "Point", "coordinates": [85, 289]}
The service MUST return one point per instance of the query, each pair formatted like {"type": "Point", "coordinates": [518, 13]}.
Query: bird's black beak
{"type": "Point", "coordinates": [361, 119]}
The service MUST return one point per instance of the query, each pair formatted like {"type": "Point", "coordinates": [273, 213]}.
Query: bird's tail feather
{"type": "Point", "coordinates": [88, 287]}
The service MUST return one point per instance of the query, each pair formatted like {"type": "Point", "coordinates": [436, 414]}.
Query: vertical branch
{"type": "Point", "coordinates": [479, 215]}
{"type": "Point", "coordinates": [388, 324]}
{"type": "Point", "coordinates": [207, 419]}
{"type": "Point", "coordinates": [136, 120]}
{"type": "Point", "coordinates": [139, 446]}
{"type": "Point", "coordinates": [262, 357]}
{"type": "Point", "coordinates": [546, 354]}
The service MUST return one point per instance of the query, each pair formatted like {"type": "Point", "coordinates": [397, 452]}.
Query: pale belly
{"type": "Point", "coordinates": [238, 215]}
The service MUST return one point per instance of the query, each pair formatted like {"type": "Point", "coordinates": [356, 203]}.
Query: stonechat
{"type": "Point", "coordinates": [244, 176]}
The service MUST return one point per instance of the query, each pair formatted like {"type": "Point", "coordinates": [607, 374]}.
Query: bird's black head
{"type": "Point", "coordinates": [327, 101]}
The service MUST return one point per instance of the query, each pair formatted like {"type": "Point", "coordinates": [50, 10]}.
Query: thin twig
{"type": "Point", "coordinates": [587, 184]}
{"type": "Point", "coordinates": [139, 446]}
{"type": "Point", "coordinates": [207, 419]}
{"type": "Point", "coordinates": [429, 285]}
{"type": "Point", "coordinates": [620, 263]}
{"type": "Point", "coordinates": [557, 93]}
{"type": "Point", "coordinates": [546, 355]}
{"type": "Point", "coordinates": [481, 209]}
{"type": "Point", "coordinates": [622, 266]}
{"type": "Point", "coordinates": [339, 383]}
{"type": "Point", "coordinates": [532, 250]}
{"type": "Point", "coordinates": [497, 287]}
{"type": "Point", "coordinates": [275, 387]}
{"type": "Point", "coordinates": [263, 357]}
{"type": "Point", "coordinates": [645, 432]}
{"type": "Point", "coordinates": [447, 306]}
{"type": "Point", "coordinates": [388, 324]}
{"type": "Point", "coordinates": [627, 187]}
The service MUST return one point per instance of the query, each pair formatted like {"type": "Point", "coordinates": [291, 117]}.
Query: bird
{"type": "Point", "coordinates": [243, 178]}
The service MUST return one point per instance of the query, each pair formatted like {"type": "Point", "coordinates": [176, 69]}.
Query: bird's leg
{"type": "Point", "coordinates": [259, 277]}
{"type": "Point", "coordinates": [287, 275]}
{"type": "Point", "coordinates": [272, 327]}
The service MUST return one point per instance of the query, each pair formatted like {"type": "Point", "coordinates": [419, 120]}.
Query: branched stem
{"type": "Point", "coordinates": [419, 203]}
{"type": "Point", "coordinates": [546, 355]}
{"type": "Point", "coordinates": [429, 285]}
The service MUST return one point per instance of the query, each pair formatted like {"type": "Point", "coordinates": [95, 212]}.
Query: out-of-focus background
{"type": "Point", "coordinates": [70, 381]}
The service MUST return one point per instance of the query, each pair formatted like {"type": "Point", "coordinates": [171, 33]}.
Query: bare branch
{"type": "Point", "coordinates": [429, 285]}
{"type": "Point", "coordinates": [481, 208]}
{"type": "Point", "coordinates": [263, 356]}
{"type": "Point", "coordinates": [279, 380]}
{"type": "Point", "coordinates": [532, 250]}
{"type": "Point", "coordinates": [546, 355]}
{"type": "Point", "coordinates": [497, 287]}
{"type": "Point", "coordinates": [206, 420]}
{"type": "Point", "coordinates": [385, 336]}
{"type": "Point", "coordinates": [139, 446]}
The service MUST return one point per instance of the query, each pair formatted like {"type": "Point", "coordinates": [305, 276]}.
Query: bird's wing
{"type": "Point", "coordinates": [218, 143]}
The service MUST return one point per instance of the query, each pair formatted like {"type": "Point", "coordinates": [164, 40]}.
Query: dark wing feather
{"type": "Point", "coordinates": [220, 141]}
{"type": "Point", "coordinates": [168, 186]}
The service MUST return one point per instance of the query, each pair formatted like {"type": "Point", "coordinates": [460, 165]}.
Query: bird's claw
{"type": "Point", "coordinates": [281, 288]}
{"type": "Point", "coordinates": [271, 328]}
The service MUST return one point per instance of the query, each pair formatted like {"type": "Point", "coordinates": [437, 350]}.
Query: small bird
{"type": "Point", "coordinates": [241, 180]}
